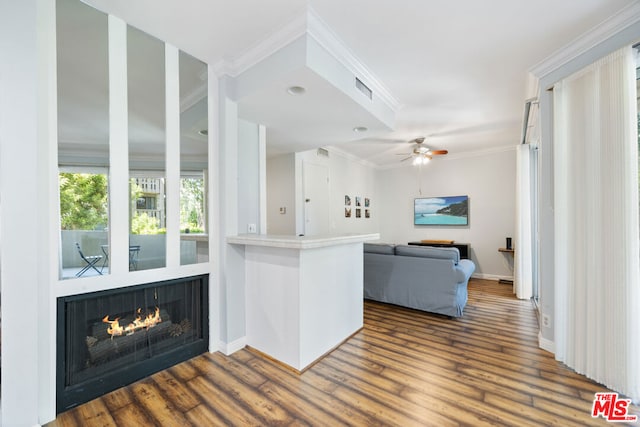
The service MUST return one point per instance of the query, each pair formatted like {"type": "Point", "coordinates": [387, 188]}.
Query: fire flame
{"type": "Point", "coordinates": [115, 329]}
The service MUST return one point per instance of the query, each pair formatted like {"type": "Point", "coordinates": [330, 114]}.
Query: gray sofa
{"type": "Point", "coordinates": [421, 277]}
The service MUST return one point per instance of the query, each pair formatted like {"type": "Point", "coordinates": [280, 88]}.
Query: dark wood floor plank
{"type": "Point", "coordinates": [392, 395]}
{"type": "Point", "coordinates": [238, 369]}
{"type": "Point", "coordinates": [202, 415]}
{"type": "Point", "coordinates": [176, 391]}
{"type": "Point", "coordinates": [184, 371]}
{"type": "Point", "coordinates": [385, 414]}
{"type": "Point", "coordinates": [164, 412]}
{"type": "Point", "coordinates": [132, 415]}
{"type": "Point", "coordinates": [117, 399]}
{"type": "Point", "coordinates": [95, 413]}
{"type": "Point", "coordinates": [525, 411]}
{"type": "Point", "coordinates": [405, 368]}
{"type": "Point", "coordinates": [222, 404]}
{"type": "Point", "coordinates": [67, 419]}
{"type": "Point", "coordinates": [400, 369]}
{"type": "Point", "coordinates": [314, 388]}
{"type": "Point", "coordinates": [242, 392]}
{"type": "Point", "coordinates": [475, 413]}
{"type": "Point", "coordinates": [302, 409]}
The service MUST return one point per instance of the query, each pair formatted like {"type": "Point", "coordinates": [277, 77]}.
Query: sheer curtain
{"type": "Point", "coordinates": [523, 266]}
{"type": "Point", "coordinates": [597, 297]}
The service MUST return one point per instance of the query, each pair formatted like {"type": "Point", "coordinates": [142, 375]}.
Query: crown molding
{"type": "Point", "coordinates": [606, 29]}
{"type": "Point", "coordinates": [323, 34]}
{"type": "Point", "coordinates": [307, 23]}
{"type": "Point", "coordinates": [263, 49]}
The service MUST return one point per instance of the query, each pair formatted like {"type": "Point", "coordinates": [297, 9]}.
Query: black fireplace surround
{"type": "Point", "coordinates": [108, 339]}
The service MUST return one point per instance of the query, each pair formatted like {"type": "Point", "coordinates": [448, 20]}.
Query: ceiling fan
{"type": "Point", "coordinates": [421, 154]}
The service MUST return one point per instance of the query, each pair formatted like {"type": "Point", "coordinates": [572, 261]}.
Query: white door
{"type": "Point", "coordinates": [315, 180]}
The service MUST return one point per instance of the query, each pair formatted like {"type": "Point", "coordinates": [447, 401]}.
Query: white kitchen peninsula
{"type": "Point", "coordinates": [304, 295]}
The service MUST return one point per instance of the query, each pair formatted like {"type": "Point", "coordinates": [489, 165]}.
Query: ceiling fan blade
{"type": "Point", "coordinates": [404, 154]}
{"type": "Point", "coordinates": [438, 152]}
{"type": "Point", "coordinates": [406, 158]}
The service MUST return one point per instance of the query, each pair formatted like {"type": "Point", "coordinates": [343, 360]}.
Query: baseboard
{"type": "Point", "coordinates": [495, 277]}
{"type": "Point", "coordinates": [546, 344]}
{"type": "Point", "coordinates": [232, 347]}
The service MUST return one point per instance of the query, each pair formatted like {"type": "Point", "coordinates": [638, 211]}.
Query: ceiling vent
{"type": "Point", "coordinates": [323, 152]}
{"type": "Point", "coordinates": [364, 89]}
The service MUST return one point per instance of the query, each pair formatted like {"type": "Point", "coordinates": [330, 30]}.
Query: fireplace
{"type": "Point", "coordinates": [109, 339]}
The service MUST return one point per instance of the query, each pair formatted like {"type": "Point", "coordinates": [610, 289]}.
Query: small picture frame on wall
{"type": "Point", "coordinates": [358, 213]}
{"type": "Point", "coordinates": [367, 202]}
{"type": "Point", "coordinates": [347, 200]}
{"type": "Point", "coordinates": [367, 213]}
{"type": "Point", "coordinates": [358, 201]}
{"type": "Point", "coordinates": [347, 212]}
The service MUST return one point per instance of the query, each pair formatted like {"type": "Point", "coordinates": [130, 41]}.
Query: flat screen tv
{"type": "Point", "coordinates": [441, 211]}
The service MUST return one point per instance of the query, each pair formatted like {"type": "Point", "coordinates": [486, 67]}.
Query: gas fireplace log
{"type": "Point", "coordinates": [99, 329]}
{"type": "Point", "coordinates": [112, 348]}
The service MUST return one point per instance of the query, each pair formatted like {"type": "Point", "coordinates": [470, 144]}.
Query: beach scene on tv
{"type": "Point", "coordinates": [441, 211]}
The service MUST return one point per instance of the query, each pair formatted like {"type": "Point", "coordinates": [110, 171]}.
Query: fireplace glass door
{"type": "Point", "coordinates": [112, 338]}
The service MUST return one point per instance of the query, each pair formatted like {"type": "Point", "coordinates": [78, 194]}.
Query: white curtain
{"type": "Point", "coordinates": [523, 256]}
{"type": "Point", "coordinates": [597, 297]}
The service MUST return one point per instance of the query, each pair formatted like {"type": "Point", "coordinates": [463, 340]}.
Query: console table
{"type": "Point", "coordinates": [462, 247]}
{"type": "Point", "coordinates": [511, 252]}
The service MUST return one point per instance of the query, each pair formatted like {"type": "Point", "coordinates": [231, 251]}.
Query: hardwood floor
{"type": "Point", "coordinates": [405, 368]}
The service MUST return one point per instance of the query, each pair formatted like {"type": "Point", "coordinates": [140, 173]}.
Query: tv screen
{"type": "Point", "coordinates": [441, 211]}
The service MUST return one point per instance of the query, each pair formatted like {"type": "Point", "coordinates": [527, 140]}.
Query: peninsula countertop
{"type": "Point", "coordinates": [300, 242]}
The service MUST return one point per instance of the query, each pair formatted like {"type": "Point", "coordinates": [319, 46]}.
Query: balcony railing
{"type": "Point", "coordinates": [150, 185]}
{"type": "Point", "coordinates": [152, 250]}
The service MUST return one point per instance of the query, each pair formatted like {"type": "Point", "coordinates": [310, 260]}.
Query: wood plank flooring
{"type": "Point", "coordinates": [405, 368]}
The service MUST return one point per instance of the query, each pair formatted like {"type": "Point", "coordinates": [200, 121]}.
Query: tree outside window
{"type": "Point", "coordinates": [83, 201]}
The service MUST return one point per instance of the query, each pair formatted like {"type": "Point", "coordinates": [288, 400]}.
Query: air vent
{"type": "Point", "coordinates": [323, 152]}
{"type": "Point", "coordinates": [364, 88]}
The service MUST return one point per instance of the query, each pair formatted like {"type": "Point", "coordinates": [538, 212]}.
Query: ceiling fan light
{"type": "Point", "coordinates": [421, 160]}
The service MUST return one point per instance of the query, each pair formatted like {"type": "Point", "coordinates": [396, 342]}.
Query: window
{"type": "Point", "coordinates": [192, 212]}
{"type": "Point", "coordinates": [194, 152]}
{"type": "Point", "coordinates": [83, 138]}
{"type": "Point", "coordinates": [85, 91]}
{"type": "Point", "coordinates": [84, 223]}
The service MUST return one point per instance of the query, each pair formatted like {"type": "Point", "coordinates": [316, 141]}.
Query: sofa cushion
{"type": "Point", "coordinates": [429, 252]}
{"type": "Point", "coordinates": [380, 248]}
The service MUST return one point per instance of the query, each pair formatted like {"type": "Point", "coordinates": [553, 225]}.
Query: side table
{"type": "Point", "coordinates": [510, 251]}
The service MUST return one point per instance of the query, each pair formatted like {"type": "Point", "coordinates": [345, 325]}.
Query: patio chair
{"type": "Point", "coordinates": [134, 253]}
{"type": "Point", "coordinates": [91, 262]}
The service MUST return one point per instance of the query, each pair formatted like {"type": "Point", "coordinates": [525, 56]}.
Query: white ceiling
{"type": "Point", "coordinates": [458, 69]}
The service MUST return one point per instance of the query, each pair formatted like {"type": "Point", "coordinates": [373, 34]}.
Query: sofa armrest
{"type": "Point", "coordinates": [464, 270]}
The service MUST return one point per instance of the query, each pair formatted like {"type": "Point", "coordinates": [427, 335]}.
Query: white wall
{"type": "Point", "coordinates": [25, 111]}
{"type": "Point", "coordinates": [347, 176]}
{"type": "Point", "coordinates": [248, 176]}
{"type": "Point", "coordinates": [281, 194]}
{"type": "Point", "coordinates": [489, 181]}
